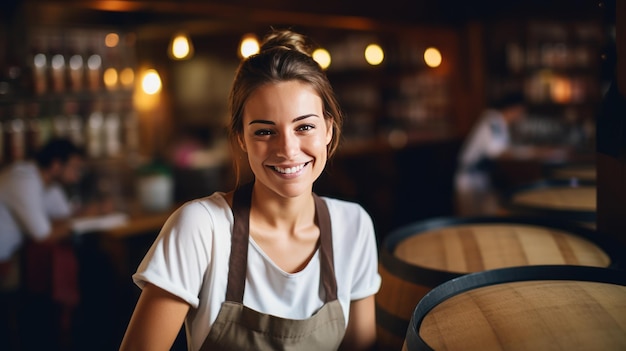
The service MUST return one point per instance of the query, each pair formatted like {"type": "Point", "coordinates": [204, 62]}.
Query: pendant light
{"type": "Point", "coordinates": [181, 47]}
{"type": "Point", "coordinates": [249, 45]}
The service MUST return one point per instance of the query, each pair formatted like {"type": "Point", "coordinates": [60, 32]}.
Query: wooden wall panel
{"type": "Point", "coordinates": [611, 159]}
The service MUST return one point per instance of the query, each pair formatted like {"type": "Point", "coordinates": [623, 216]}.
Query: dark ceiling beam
{"type": "Point", "coordinates": [155, 12]}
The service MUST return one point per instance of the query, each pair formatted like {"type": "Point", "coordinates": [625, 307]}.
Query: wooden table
{"type": "Point", "coordinates": [139, 223]}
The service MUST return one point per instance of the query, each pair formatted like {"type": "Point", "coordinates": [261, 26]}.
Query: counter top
{"type": "Point", "coordinates": [134, 221]}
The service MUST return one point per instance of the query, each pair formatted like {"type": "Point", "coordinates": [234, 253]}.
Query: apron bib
{"type": "Point", "coordinates": [238, 327]}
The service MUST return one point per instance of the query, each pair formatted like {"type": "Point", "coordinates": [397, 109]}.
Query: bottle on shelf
{"type": "Point", "coordinates": [75, 129]}
{"type": "Point", "coordinates": [95, 125]}
{"type": "Point", "coordinates": [14, 135]}
{"type": "Point", "coordinates": [112, 133]}
{"type": "Point", "coordinates": [33, 135]}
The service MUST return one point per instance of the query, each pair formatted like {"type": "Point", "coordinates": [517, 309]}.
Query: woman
{"type": "Point", "coordinates": [270, 265]}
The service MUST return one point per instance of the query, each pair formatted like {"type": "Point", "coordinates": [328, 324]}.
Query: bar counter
{"type": "Point", "coordinates": [140, 223]}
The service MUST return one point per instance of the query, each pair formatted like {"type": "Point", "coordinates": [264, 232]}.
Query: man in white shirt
{"type": "Point", "coordinates": [489, 139]}
{"type": "Point", "coordinates": [33, 208]}
{"type": "Point", "coordinates": [30, 196]}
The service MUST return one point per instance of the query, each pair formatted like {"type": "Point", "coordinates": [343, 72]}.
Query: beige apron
{"type": "Point", "coordinates": [238, 327]}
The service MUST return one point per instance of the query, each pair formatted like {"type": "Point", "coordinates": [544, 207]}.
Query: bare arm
{"type": "Point", "coordinates": [361, 331]}
{"type": "Point", "coordinates": [156, 321]}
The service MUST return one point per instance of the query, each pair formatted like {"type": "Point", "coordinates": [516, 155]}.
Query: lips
{"type": "Point", "coordinates": [289, 170]}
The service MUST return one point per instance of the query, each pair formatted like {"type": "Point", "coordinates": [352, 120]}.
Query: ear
{"type": "Point", "coordinates": [329, 131]}
{"type": "Point", "coordinates": [242, 144]}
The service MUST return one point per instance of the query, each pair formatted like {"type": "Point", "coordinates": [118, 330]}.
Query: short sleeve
{"type": "Point", "coordinates": [27, 203]}
{"type": "Point", "coordinates": [179, 257]}
{"type": "Point", "coordinates": [366, 280]}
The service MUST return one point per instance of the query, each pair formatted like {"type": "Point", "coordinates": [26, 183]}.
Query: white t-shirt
{"type": "Point", "coordinates": [22, 208]}
{"type": "Point", "coordinates": [56, 202]}
{"type": "Point", "coordinates": [487, 140]}
{"type": "Point", "coordinates": [190, 259]}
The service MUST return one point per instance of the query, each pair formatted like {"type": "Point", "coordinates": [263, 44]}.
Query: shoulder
{"type": "Point", "coordinates": [23, 170]}
{"type": "Point", "coordinates": [344, 209]}
{"type": "Point", "coordinates": [347, 216]}
{"type": "Point", "coordinates": [491, 123]}
{"type": "Point", "coordinates": [22, 178]}
{"type": "Point", "coordinates": [213, 202]}
{"type": "Point", "coordinates": [198, 212]}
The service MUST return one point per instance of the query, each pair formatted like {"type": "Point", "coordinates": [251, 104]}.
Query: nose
{"type": "Point", "coordinates": [288, 145]}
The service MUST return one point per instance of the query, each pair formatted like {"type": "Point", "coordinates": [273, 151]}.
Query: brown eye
{"type": "Point", "coordinates": [306, 127]}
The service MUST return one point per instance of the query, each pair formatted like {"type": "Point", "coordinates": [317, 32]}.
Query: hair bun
{"type": "Point", "coordinates": [286, 39]}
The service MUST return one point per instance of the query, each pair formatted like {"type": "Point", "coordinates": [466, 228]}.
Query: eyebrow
{"type": "Point", "coordinates": [299, 118]}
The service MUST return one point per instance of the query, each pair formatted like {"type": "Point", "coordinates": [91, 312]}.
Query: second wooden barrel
{"type": "Point", "coordinates": [524, 308]}
{"type": "Point", "coordinates": [416, 258]}
{"type": "Point", "coordinates": [569, 200]}
{"type": "Point", "coordinates": [582, 172]}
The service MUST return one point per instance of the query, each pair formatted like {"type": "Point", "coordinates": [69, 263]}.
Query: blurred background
{"type": "Point", "coordinates": [143, 86]}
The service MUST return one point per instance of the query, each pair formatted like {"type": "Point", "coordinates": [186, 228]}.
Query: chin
{"type": "Point", "coordinates": [290, 189]}
{"type": "Point", "coordinates": [295, 190]}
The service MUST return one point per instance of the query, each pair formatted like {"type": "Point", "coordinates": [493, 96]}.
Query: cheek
{"type": "Point", "coordinates": [320, 144]}
{"type": "Point", "coordinates": [255, 153]}
{"type": "Point", "coordinates": [70, 175]}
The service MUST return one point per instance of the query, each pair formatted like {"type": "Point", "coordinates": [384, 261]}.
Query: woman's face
{"type": "Point", "coordinates": [285, 136]}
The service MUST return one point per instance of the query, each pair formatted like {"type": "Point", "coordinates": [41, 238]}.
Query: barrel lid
{"type": "Point", "coordinates": [565, 211]}
{"type": "Point", "coordinates": [408, 271]}
{"type": "Point", "coordinates": [585, 171]}
{"type": "Point", "coordinates": [477, 280]}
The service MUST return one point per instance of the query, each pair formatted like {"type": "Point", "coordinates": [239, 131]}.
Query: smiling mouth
{"type": "Point", "coordinates": [290, 170]}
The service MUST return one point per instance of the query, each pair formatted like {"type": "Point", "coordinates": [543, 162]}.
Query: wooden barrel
{"type": "Point", "coordinates": [524, 308]}
{"type": "Point", "coordinates": [416, 258]}
{"type": "Point", "coordinates": [585, 172]}
{"type": "Point", "coordinates": [570, 200]}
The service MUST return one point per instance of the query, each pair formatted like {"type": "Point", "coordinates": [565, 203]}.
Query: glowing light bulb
{"type": "Point", "coordinates": [322, 57]}
{"type": "Point", "coordinates": [181, 47]}
{"type": "Point", "coordinates": [249, 46]}
{"type": "Point", "coordinates": [111, 40]}
{"type": "Point", "coordinates": [127, 77]}
{"type": "Point", "coordinates": [151, 82]}
{"type": "Point", "coordinates": [110, 78]}
{"type": "Point", "coordinates": [432, 57]}
{"type": "Point", "coordinates": [374, 54]}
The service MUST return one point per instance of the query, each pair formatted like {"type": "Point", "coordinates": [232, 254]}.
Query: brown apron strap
{"type": "Point", "coordinates": [238, 261]}
{"type": "Point", "coordinates": [327, 260]}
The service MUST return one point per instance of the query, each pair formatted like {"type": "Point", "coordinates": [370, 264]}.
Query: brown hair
{"type": "Point", "coordinates": [284, 56]}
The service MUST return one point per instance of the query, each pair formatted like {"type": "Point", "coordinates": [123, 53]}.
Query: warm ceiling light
{"type": "Point", "coordinates": [127, 77]}
{"type": "Point", "coordinates": [322, 57]}
{"type": "Point", "coordinates": [561, 90]}
{"type": "Point", "coordinates": [180, 47]}
{"type": "Point", "coordinates": [249, 45]}
{"type": "Point", "coordinates": [111, 40]}
{"type": "Point", "coordinates": [151, 82]}
{"type": "Point", "coordinates": [374, 54]}
{"type": "Point", "coordinates": [110, 78]}
{"type": "Point", "coordinates": [432, 57]}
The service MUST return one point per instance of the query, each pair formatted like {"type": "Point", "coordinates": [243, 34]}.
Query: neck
{"type": "Point", "coordinates": [282, 213]}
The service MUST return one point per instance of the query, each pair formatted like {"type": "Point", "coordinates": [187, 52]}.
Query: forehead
{"type": "Point", "coordinates": [283, 97]}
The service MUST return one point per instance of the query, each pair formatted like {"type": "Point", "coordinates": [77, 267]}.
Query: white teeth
{"type": "Point", "coordinates": [289, 170]}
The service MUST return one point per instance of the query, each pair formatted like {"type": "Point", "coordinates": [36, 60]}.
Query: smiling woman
{"type": "Point", "coordinates": [298, 271]}
{"type": "Point", "coordinates": [286, 151]}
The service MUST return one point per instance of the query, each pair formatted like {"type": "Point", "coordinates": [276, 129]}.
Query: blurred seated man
{"type": "Point", "coordinates": [34, 209]}
{"type": "Point", "coordinates": [490, 138]}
